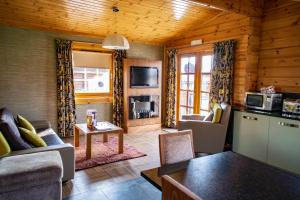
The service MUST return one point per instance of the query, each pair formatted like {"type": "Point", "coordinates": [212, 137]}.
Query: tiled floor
{"type": "Point", "coordinates": [120, 180]}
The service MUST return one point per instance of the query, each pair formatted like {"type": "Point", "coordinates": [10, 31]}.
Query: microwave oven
{"type": "Point", "coordinates": [266, 102]}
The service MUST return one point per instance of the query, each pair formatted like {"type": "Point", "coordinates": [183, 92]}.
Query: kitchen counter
{"type": "Point", "coordinates": [272, 114]}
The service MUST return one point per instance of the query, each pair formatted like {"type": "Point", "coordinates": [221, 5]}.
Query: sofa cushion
{"type": "Point", "coordinates": [4, 146]}
{"type": "Point", "coordinates": [50, 137]}
{"type": "Point", "coordinates": [32, 170]}
{"type": "Point", "coordinates": [10, 131]}
{"type": "Point", "coordinates": [24, 123]}
{"type": "Point", "coordinates": [32, 137]}
{"type": "Point", "coordinates": [217, 113]}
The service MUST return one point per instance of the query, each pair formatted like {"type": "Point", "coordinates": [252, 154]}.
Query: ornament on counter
{"type": "Point", "coordinates": [268, 90]}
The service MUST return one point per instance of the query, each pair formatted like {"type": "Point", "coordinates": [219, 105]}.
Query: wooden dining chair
{"type": "Point", "coordinates": [176, 147]}
{"type": "Point", "coordinates": [172, 190]}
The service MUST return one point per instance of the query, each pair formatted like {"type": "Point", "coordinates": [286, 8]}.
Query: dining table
{"type": "Point", "coordinates": [229, 176]}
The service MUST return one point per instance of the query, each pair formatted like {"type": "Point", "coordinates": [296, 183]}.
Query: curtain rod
{"type": "Point", "coordinates": [188, 46]}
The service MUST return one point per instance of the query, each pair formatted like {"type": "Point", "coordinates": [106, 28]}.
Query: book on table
{"type": "Point", "coordinates": [103, 127]}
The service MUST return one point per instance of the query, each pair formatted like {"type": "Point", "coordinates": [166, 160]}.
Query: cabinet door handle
{"type": "Point", "coordinates": [250, 118]}
{"type": "Point", "coordinates": [288, 124]}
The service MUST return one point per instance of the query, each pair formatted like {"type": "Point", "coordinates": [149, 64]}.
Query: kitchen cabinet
{"type": "Point", "coordinates": [273, 140]}
{"type": "Point", "coordinates": [284, 144]}
{"type": "Point", "coordinates": [251, 135]}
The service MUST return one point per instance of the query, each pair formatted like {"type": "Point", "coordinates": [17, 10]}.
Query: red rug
{"type": "Point", "coordinates": [104, 153]}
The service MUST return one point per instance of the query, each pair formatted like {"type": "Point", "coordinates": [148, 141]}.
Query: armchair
{"type": "Point", "coordinates": [208, 137]}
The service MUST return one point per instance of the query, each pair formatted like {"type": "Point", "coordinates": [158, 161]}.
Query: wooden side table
{"type": "Point", "coordinates": [109, 129]}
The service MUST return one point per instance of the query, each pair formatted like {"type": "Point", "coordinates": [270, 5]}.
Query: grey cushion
{"type": "Point", "coordinates": [52, 139]}
{"type": "Point", "coordinates": [10, 131]}
{"type": "Point", "coordinates": [30, 170]}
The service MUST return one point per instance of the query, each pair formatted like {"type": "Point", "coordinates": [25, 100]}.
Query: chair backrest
{"type": "Point", "coordinates": [172, 190]}
{"type": "Point", "coordinates": [176, 147]}
{"type": "Point", "coordinates": [226, 114]}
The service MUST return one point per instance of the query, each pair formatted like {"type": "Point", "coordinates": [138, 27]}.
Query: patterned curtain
{"type": "Point", "coordinates": [222, 72]}
{"type": "Point", "coordinates": [118, 104]}
{"type": "Point", "coordinates": [171, 89]}
{"type": "Point", "coordinates": [65, 89]}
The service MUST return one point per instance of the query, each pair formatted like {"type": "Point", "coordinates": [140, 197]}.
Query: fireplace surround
{"type": "Point", "coordinates": [141, 107]}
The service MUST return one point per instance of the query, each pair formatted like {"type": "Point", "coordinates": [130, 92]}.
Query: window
{"type": "Point", "coordinates": [193, 84]}
{"type": "Point", "coordinates": [206, 64]}
{"type": "Point", "coordinates": [92, 73]}
{"type": "Point", "coordinates": [186, 87]}
{"type": "Point", "coordinates": [94, 80]}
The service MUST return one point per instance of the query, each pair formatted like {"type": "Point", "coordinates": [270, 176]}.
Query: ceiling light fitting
{"type": "Point", "coordinates": [115, 41]}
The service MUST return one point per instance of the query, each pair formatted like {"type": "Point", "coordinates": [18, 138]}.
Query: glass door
{"type": "Point", "coordinates": [193, 84]}
{"type": "Point", "coordinates": [187, 84]}
{"type": "Point", "coordinates": [206, 64]}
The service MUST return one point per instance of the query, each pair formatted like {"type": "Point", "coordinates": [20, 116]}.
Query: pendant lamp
{"type": "Point", "coordinates": [115, 41]}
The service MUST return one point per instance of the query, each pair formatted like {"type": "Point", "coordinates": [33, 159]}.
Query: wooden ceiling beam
{"type": "Point", "coordinates": [251, 8]}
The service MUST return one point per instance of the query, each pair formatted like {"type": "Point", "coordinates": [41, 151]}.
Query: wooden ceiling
{"type": "Point", "coordinates": [148, 21]}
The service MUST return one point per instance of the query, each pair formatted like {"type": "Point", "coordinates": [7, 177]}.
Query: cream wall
{"type": "Point", "coordinates": [28, 73]}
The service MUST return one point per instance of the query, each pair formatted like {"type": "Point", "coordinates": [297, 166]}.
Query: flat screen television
{"type": "Point", "coordinates": [143, 76]}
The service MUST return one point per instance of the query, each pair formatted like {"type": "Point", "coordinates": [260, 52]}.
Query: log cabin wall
{"type": "Point", "coordinates": [279, 63]}
{"type": "Point", "coordinates": [245, 30]}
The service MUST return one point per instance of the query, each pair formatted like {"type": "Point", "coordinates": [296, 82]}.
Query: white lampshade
{"type": "Point", "coordinates": [115, 41]}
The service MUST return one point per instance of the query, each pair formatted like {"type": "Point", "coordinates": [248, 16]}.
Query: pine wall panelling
{"type": "Point", "coordinates": [245, 30]}
{"type": "Point", "coordinates": [279, 61]}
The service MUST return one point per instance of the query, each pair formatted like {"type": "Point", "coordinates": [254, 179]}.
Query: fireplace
{"type": "Point", "coordinates": [141, 107]}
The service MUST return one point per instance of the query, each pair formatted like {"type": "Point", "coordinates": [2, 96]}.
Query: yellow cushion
{"type": "Point", "coordinates": [24, 123]}
{"type": "Point", "coordinates": [4, 146]}
{"type": "Point", "coordinates": [32, 137]}
{"type": "Point", "coordinates": [217, 113]}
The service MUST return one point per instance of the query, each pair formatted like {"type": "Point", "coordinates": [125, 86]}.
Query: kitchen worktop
{"type": "Point", "coordinates": [268, 113]}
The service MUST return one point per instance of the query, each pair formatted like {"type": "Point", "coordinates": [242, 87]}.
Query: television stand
{"type": "Point", "coordinates": [142, 105]}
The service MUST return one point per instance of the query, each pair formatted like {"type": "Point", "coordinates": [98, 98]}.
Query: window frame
{"type": "Point", "coordinates": [94, 97]}
{"type": "Point", "coordinates": [197, 81]}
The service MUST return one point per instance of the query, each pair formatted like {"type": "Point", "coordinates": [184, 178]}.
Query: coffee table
{"type": "Point", "coordinates": [105, 128]}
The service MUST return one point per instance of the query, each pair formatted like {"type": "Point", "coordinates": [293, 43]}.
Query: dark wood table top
{"type": "Point", "coordinates": [230, 176]}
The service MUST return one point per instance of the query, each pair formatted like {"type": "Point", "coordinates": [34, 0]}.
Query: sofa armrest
{"type": "Point", "coordinates": [200, 125]}
{"type": "Point", "coordinates": [60, 147]}
{"type": "Point", "coordinates": [193, 117]}
{"type": "Point", "coordinates": [66, 152]}
{"type": "Point", "coordinates": [19, 172]}
{"type": "Point", "coordinates": [41, 125]}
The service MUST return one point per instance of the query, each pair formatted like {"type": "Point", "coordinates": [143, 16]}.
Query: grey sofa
{"type": "Point", "coordinates": [54, 143]}
{"type": "Point", "coordinates": [32, 176]}
{"type": "Point", "coordinates": [208, 137]}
